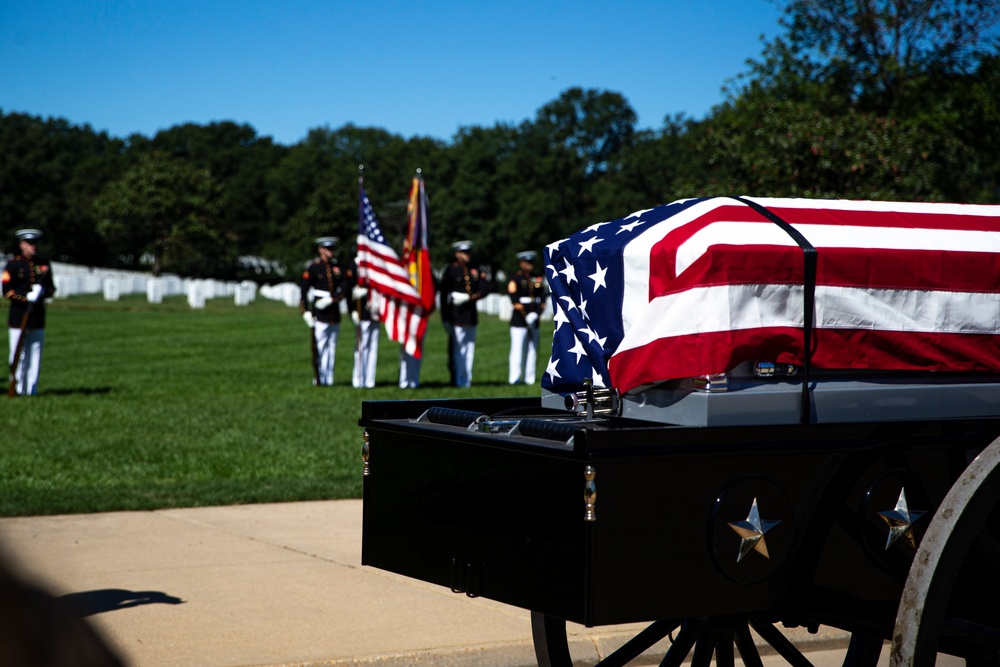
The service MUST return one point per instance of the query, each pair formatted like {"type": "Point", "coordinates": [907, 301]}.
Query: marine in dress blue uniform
{"type": "Point", "coordinates": [462, 285]}
{"type": "Point", "coordinates": [27, 283]}
{"type": "Point", "coordinates": [365, 315]}
{"type": "Point", "coordinates": [527, 294]}
{"type": "Point", "coordinates": [324, 285]}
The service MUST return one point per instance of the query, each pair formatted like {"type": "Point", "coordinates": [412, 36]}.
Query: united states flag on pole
{"type": "Point", "coordinates": [380, 268]}
{"type": "Point", "coordinates": [699, 286]}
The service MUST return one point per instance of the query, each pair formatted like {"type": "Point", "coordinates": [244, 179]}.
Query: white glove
{"type": "Point", "coordinates": [458, 298]}
{"type": "Point", "coordinates": [36, 291]}
{"type": "Point", "coordinates": [531, 319]}
{"type": "Point", "coordinates": [355, 317]}
{"type": "Point", "coordinates": [324, 302]}
{"type": "Point", "coordinates": [309, 319]}
{"type": "Point", "coordinates": [359, 292]}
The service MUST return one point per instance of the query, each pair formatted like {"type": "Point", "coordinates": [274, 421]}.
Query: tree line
{"type": "Point", "coordinates": [857, 99]}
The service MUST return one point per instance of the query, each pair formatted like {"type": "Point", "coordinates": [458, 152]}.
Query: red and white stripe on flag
{"type": "Point", "coordinates": [380, 268]}
{"type": "Point", "coordinates": [406, 324]}
{"type": "Point", "coordinates": [399, 308]}
{"type": "Point", "coordinates": [899, 286]}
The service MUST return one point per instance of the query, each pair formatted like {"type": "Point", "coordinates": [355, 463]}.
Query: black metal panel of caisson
{"type": "Point", "coordinates": [787, 521]}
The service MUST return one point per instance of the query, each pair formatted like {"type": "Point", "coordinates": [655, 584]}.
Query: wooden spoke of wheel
{"type": "Point", "coordinates": [552, 646]}
{"type": "Point", "coordinates": [707, 638]}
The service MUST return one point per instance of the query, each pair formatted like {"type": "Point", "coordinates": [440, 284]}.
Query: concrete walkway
{"type": "Point", "coordinates": [279, 584]}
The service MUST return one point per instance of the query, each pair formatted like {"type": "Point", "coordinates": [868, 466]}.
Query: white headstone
{"type": "Point", "coordinates": [154, 290]}
{"type": "Point", "coordinates": [505, 310]}
{"type": "Point", "coordinates": [290, 294]}
{"type": "Point", "coordinates": [250, 287]}
{"type": "Point", "coordinates": [196, 294]}
{"type": "Point", "coordinates": [489, 305]}
{"type": "Point", "coordinates": [172, 286]}
{"type": "Point", "coordinates": [67, 286]}
{"type": "Point", "coordinates": [241, 296]}
{"type": "Point", "coordinates": [112, 290]}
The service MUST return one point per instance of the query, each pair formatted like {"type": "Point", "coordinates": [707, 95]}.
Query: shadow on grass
{"type": "Point", "coordinates": [475, 383]}
{"type": "Point", "coordinates": [109, 599]}
{"type": "Point", "coordinates": [81, 391]}
{"type": "Point", "coordinates": [434, 385]}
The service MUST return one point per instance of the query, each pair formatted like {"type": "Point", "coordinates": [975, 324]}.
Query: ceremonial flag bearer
{"type": "Point", "coordinates": [365, 315]}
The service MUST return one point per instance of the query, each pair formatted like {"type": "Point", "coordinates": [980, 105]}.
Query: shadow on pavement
{"type": "Point", "coordinates": [86, 603]}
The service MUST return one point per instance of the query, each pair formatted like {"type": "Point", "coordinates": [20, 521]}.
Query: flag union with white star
{"type": "Point", "coordinates": [586, 275]}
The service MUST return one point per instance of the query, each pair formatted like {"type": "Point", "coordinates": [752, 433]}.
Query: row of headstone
{"type": "Point", "coordinates": [72, 279]}
{"type": "Point", "coordinates": [287, 293]}
{"type": "Point", "coordinates": [290, 294]}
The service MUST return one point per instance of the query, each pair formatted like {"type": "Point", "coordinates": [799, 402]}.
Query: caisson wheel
{"type": "Point", "coordinates": [702, 639]}
{"type": "Point", "coordinates": [949, 604]}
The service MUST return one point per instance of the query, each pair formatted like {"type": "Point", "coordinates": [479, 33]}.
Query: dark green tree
{"type": "Point", "coordinates": [313, 191]}
{"type": "Point", "coordinates": [860, 99]}
{"type": "Point", "coordinates": [167, 208]}
{"type": "Point", "coordinates": [649, 171]}
{"type": "Point", "coordinates": [595, 125]}
{"type": "Point", "coordinates": [880, 53]}
{"type": "Point", "coordinates": [239, 161]}
{"type": "Point", "coordinates": [465, 203]}
{"type": "Point", "coordinates": [50, 171]}
{"type": "Point", "coordinates": [521, 188]}
{"type": "Point", "coordinates": [789, 149]}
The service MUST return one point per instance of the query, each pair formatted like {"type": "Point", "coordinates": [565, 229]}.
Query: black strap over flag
{"type": "Point", "coordinates": [809, 257]}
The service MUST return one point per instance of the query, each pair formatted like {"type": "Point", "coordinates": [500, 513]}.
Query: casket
{"type": "Point", "coordinates": [830, 292]}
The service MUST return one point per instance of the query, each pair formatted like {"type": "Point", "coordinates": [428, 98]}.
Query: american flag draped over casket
{"type": "Point", "coordinates": [699, 286]}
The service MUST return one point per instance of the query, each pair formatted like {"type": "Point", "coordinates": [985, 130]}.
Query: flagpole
{"type": "Point", "coordinates": [361, 204]}
{"type": "Point", "coordinates": [361, 230]}
{"type": "Point", "coordinates": [361, 210]}
{"type": "Point", "coordinates": [415, 228]}
{"type": "Point", "coordinates": [420, 208]}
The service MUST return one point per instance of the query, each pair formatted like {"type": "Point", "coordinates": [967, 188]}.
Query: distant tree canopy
{"type": "Point", "coordinates": [166, 208]}
{"type": "Point", "coordinates": [860, 99]}
{"type": "Point", "coordinates": [876, 99]}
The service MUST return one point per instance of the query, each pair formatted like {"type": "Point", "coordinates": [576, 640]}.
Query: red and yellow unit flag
{"type": "Point", "coordinates": [416, 256]}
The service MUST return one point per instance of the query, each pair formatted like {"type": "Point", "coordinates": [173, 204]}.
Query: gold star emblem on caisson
{"type": "Point", "coordinates": [751, 531]}
{"type": "Point", "coordinates": [900, 521]}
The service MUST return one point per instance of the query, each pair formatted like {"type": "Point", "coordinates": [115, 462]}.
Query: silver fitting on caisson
{"type": "Point", "coordinates": [604, 402]}
{"type": "Point", "coordinates": [589, 494]}
{"type": "Point", "coordinates": [365, 453]}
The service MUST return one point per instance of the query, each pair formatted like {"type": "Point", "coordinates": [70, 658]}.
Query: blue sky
{"type": "Point", "coordinates": [412, 68]}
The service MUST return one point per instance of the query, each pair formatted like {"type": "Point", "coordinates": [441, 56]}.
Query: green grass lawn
{"type": "Point", "coordinates": [147, 406]}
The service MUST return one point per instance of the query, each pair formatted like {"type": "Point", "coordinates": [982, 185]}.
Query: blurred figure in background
{"type": "Point", "coordinates": [324, 285]}
{"type": "Point", "coordinates": [26, 283]}
{"type": "Point", "coordinates": [462, 285]}
{"type": "Point", "coordinates": [527, 294]}
{"type": "Point", "coordinates": [365, 315]}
